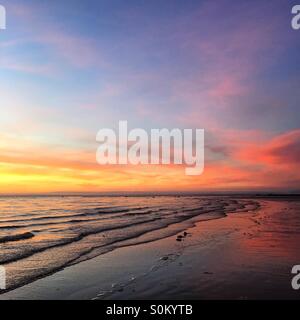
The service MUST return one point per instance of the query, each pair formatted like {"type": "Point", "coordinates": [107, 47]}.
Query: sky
{"type": "Point", "coordinates": [69, 68]}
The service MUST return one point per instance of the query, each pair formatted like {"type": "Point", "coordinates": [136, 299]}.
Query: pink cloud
{"type": "Point", "coordinates": [73, 49]}
{"type": "Point", "coordinates": [21, 66]}
{"type": "Point", "coordinates": [282, 150]}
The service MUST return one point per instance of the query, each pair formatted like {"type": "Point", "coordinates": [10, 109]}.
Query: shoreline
{"type": "Point", "coordinates": [218, 259]}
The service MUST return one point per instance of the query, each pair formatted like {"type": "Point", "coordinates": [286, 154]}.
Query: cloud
{"type": "Point", "coordinates": [282, 150]}
{"type": "Point", "coordinates": [35, 27]}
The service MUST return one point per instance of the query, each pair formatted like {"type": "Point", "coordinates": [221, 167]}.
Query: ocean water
{"type": "Point", "coordinates": [40, 235]}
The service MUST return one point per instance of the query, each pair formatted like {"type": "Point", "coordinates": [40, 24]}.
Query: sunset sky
{"type": "Point", "coordinates": [69, 68]}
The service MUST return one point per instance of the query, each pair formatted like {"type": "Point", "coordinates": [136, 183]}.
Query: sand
{"type": "Point", "coordinates": [243, 256]}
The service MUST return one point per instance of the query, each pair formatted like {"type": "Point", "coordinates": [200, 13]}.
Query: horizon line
{"type": "Point", "coordinates": [158, 193]}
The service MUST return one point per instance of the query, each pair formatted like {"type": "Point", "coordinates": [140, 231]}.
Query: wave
{"type": "Point", "coordinates": [51, 240]}
{"type": "Point", "coordinates": [17, 237]}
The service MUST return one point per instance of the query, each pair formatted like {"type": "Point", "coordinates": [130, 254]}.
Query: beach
{"type": "Point", "coordinates": [247, 252]}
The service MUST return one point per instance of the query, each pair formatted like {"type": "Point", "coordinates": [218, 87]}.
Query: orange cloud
{"type": "Point", "coordinates": [269, 164]}
{"type": "Point", "coordinates": [282, 150]}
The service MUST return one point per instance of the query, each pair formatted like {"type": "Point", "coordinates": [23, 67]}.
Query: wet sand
{"type": "Point", "coordinates": [247, 255]}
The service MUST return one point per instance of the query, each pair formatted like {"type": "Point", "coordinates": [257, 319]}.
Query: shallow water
{"type": "Point", "coordinates": [41, 235]}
